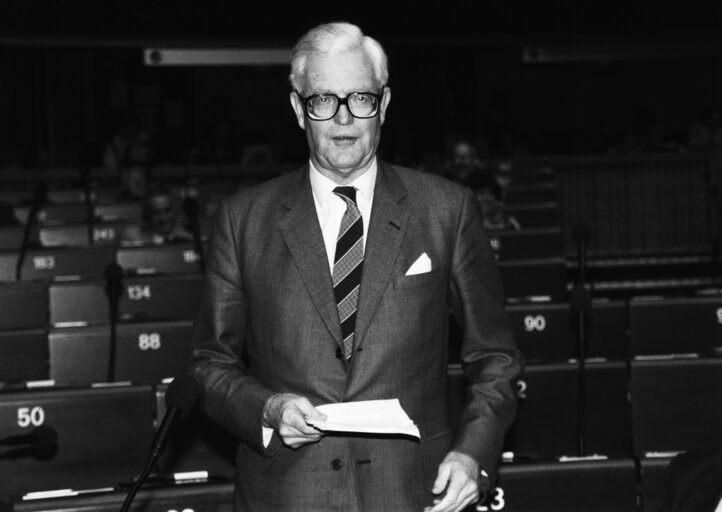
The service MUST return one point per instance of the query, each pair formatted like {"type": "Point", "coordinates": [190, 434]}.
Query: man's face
{"type": "Point", "coordinates": [162, 217]}
{"type": "Point", "coordinates": [342, 147]}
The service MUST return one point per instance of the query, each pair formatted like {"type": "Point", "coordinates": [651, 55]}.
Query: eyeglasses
{"type": "Point", "coordinates": [322, 107]}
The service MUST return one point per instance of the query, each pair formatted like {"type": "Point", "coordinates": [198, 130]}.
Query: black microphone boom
{"type": "Point", "coordinates": [40, 199]}
{"type": "Point", "coordinates": [180, 397]}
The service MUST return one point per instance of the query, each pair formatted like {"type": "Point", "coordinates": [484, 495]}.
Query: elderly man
{"type": "Point", "coordinates": [333, 284]}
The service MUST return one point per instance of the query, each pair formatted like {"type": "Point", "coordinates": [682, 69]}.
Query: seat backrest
{"type": "Point", "coordinates": [527, 244]}
{"type": "Point", "coordinates": [676, 404]}
{"type": "Point", "coordinates": [148, 352]}
{"type": "Point", "coordinates": [103, 437]}
{"type": "Point", "coordinates": [591, 486]}
{"type": "Point", "coordinates": [675, 325]}
{"type": "Point", "coordinates": [170, 297]}
{"type": "Point", "coordinates": [23, 305]}
{"type": "Point", "coordinates": [545, 277]}
{"type": "Point", "coordinates": [23, 355]}
{"type": "Point", "coordinates": [160, 259]}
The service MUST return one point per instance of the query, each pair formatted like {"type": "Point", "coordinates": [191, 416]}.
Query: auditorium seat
{"type": "Point", "coordinates": [66, 263]}
{"type": "Point", "coordinates": [214, 495]}
{"type": "Point", "coordinates": [548, 331]}
{"type": "Point", "coordinates": [147, 353]}
{"type": "Point", "coordinates": [74, 235]}
{"type": "Point", "coordinates": [547, 422]}
{"type": "Point", "coordinates": [653, 472]}
{"type": "Point", "coordinates": [197, 444]}
{"type": "Point", "coordinates": [66, 195]}
{"type": "Point", "coordinates": [23, 305]}
{"type": "Point", "coordinates": [531, 194]}
{"type": "Point", "coordinates": [78, 303]}
{"type": "Point", "coordinates": [676, 404]}
{"type": "Point", "coordinates": [127, 211]}
{"type": "Point", "coordinates": [523, 175]}
{"type": "Point", "coordinates": [23, 355]}
{"type": "Point", "coordinates": [676, 325]}
{"type": "Point", "coordinates": [527, 244]}
{"type": "Point", "coordinates": [58, 213]}
{"type": "Point", "coordinates": [11, 238]}
{"type": "Point", "coordinates": [8, 265]}
{"type": "Point", "coordinates": [80, 235]}
{"type": "Point", "coordinates": [574, 486]}
{"type": "Point", "coordinates": [524, 279]}
{"type": "Point", "coordinates": [143, 298]}
{"type": "Point", "coordinates": [534, 216]}
{"type": "Point", "coordinates": [103, 437]}
{"type": "Point", "coordinates": [169, 297]}
{"type": "Point", "coordinates": [161, 259]}
{"type": "Point", "coordinates": [79, 356]}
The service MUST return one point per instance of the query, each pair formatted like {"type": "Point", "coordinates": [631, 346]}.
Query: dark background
{"type": "Point", "coordinates": [528, 78]}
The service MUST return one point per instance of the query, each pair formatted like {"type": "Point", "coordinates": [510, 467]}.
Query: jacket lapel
{"type": "Point", "coordinates": [300, 228]}
{"type": "Point", "coordinates": [389, 217]}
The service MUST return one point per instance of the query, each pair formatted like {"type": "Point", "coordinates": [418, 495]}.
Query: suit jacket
{"type": "Point", "coordinates": [693, 481]}
{"type": "Point", "coordinates": [268, 323]}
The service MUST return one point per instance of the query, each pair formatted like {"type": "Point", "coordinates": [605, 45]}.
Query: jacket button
{"type": "Point", "coordinates": [336, 464]}
{"type": "Point", "coordinates": [339, 354]}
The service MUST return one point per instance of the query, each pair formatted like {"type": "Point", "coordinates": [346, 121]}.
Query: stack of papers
{"type": "Point", "coordinates": [370, 416]}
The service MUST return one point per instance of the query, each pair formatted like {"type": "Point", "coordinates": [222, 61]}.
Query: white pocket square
{"type": "Point", "coordinates": [421, 266]}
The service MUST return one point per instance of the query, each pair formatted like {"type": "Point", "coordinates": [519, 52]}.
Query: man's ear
{"type": "Point", "coordinates": [385, 103]}
{"type": "Point", "coordinates": [298, 110]}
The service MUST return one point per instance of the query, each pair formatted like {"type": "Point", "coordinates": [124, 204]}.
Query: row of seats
{"type": "Point", "coordinates": [612, 408]}
{"type": "Point", "coordinates": [92, 262]}
{"type": "Point", "coordinates": [621, 437]}
{"type": "Point", "coordinates": [38, 313]}
{"type": "Point", "coordinates": [140, 352]}
{"type": "Point", "coordinates": [591, 485]}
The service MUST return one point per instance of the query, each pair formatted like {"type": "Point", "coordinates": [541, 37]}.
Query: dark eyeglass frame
{"type": "Point", "coordinates": [340, 101]}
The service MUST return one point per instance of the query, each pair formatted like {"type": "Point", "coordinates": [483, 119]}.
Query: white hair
{"type": "Point", "coordinates": [335, 38]}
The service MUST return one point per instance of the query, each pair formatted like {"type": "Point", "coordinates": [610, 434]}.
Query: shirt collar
{"type": "Point", "coordinates": [323, 186]}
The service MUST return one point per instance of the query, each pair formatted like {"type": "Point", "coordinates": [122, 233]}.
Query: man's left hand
{"type": "Point", "coordinates": [459, 476]}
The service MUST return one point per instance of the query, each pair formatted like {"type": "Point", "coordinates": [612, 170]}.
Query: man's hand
{"type": "Point", "coordinates": [286, 413]}
{"type": "Point", "coordinates": [459, 476]}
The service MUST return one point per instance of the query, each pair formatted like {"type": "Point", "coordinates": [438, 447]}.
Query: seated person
{"type": "Point", "coordinates": [491, 196]}
{"type": "Point", "coordinates": [132, 183]}
{"type": "Point", "coordinates": [162, 224]}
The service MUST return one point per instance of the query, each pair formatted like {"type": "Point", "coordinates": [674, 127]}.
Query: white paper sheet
{"type": "Point", "coordinates": [369, 416]}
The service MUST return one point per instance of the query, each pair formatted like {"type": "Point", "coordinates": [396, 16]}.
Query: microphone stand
{"type": "Point", "coordinates": [180, 397]}
{"type": "Point", "coordinates": [89, 214]}
{"type": "Point", "coordinates": [113, 290]}
{"type": "Point", "coordinates": [40, 198]}
{"type": "Point", "coordinates": [581, 304]}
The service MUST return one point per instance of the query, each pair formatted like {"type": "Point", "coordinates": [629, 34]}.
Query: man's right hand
{"type": "Point", "coordinates": [286, 413]}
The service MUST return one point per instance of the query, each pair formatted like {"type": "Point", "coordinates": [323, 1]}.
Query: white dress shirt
{"type": "Point", "coordinates": [330, 209]}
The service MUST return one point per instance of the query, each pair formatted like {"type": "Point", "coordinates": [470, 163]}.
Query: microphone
{"type": "Point", "coordinates": [40, 198]}
{"type": "Point", "coordinates": [41, 444]}
{"type": "Point", "coordinates": [582, 233]}
{"type": "Point", "coordinates": [180, 397]}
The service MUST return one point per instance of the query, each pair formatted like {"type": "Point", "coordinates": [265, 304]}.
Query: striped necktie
{"type": "Point", "coordinates": [347, 266]}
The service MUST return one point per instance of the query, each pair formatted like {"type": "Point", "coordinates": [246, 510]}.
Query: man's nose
{"type": "Point", "coordinates": [343, 116]}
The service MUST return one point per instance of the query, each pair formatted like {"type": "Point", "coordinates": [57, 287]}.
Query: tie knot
{"type": "Point", "coordinates": [346, 193]}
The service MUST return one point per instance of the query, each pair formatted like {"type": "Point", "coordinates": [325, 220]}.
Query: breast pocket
{"type": "Point", "coordinates": [427, 279]}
